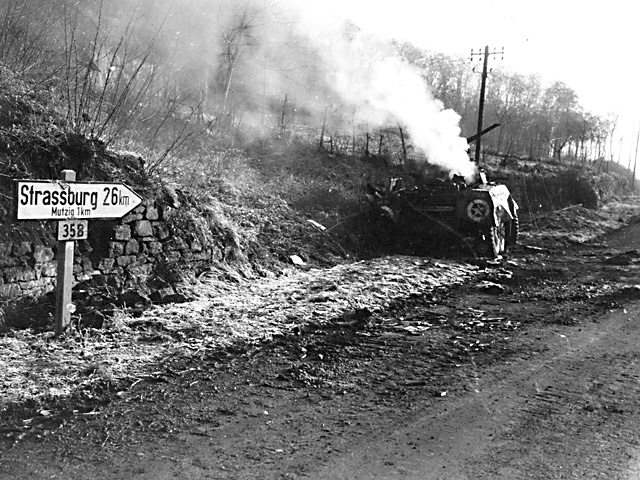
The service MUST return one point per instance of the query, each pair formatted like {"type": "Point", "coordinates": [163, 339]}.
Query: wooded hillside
{"type": "Point", "coordinates": [182, 84]}
{"type": "Point", "coordinates": [539, 121]}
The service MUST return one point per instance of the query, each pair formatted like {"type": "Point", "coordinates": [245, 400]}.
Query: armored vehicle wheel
{"type": "Point", "coordinates": [498, 236]}
{"type": "Point", "coordinates": [513, 229]}
{"type": "Point", "coordinates": [492, 242]}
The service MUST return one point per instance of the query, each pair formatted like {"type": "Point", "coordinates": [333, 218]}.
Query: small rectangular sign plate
{"type": "Point", "coordinates": [73, 230]}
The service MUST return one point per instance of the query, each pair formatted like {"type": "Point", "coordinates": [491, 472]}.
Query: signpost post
{"type": "Point", "coordinates": [64, 278]}
{"type": "Point", "coordinates": [72, 204]}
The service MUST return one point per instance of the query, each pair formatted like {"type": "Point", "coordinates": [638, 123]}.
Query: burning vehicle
{"type": "Point", "coordinates": [481, 214]}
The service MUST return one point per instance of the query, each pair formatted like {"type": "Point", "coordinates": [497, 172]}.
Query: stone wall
{"type": "Point", "coordinates": [26, 269]}
{"type": "Point", "coordinates": [155, 242]}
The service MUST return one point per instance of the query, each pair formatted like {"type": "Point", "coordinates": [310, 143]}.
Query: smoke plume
{"type": "Point", "coordinates": [261, 62]}
{"type": "Point", "coordinates": [382, 90]}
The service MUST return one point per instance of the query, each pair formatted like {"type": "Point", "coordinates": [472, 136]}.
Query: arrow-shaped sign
{"type": "Point", "coordinates": [65, 200]}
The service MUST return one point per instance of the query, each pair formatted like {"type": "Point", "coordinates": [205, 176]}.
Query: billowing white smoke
{"type": "Point", "coordinates": [383, 90]}
{"type": "Point", "coordinates": [390, 90]}
{"type": "Point", "coordinates": [270, 54]}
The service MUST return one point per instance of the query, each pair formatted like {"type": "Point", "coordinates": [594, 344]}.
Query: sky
{"type": "Point", "coordinates": [591, 46]}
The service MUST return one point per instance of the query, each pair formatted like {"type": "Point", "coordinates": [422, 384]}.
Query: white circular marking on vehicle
{"type": "Point", "coordinates": [478, 209]}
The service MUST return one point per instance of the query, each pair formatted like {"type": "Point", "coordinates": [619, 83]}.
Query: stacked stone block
{"type": "Point", "coordinates": [26, 269]}
{"type": "Point", "coordinates": [148, 236]}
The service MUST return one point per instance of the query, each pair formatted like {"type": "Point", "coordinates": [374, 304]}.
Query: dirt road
{"type": "Point", "coordinates": [527, 370]}
{"type": "Point", "coordinates": [569, 412]}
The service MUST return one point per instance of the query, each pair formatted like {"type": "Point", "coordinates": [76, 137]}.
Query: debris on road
{"type": "Point", "coordinates": [490, 287]}
{"type": "Point", "coordinates": [296, 260]}
{"type": "Point", "coordinates": [625, 258]}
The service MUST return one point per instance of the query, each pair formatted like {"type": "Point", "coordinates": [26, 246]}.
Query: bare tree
{"type": "Point", "coordinates": [235, 39]}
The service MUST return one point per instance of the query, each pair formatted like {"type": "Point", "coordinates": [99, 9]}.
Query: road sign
{"type": "Point", "coordinates": [72, 203]}
{"type": "Point", "coordinates": [73, 230]}
{"type": "Point", "coordinates": [59, 200]}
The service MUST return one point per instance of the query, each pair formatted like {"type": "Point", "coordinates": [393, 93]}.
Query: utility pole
{"type": "Point", "coordinates": [635, 161]}
{"type": "Point", "coordinates": [483, 85]}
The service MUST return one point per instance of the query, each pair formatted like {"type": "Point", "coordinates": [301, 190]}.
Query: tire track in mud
{"type": "Point", "coordinates": [569, 412]}
{"type": "Point", "coordinates": [581, 419]}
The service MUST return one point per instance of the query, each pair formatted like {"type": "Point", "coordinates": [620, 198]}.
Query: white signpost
{"type": "Point", "coordinates": [72, 204]}
{"type": "Point", "coordinates": [66, 200]}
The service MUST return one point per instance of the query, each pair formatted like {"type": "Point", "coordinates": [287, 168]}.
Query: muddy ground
{"type": "Point", "coordinates": [526, 367]}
